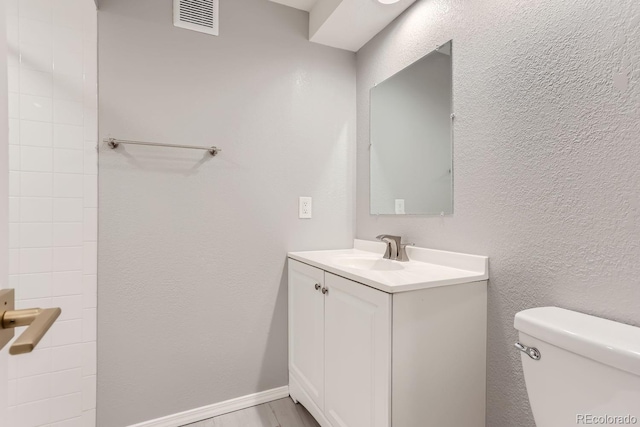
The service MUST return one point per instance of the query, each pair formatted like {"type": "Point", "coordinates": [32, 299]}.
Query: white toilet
{"type": "Point", "coordinates": [579, 369]}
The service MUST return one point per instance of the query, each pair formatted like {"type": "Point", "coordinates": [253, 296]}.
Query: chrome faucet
{"type": "Point", "coordinates": [396, 250]}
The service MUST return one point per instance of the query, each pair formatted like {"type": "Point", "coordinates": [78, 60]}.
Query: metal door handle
{"type": "Point", "coordinates": [325, 291]}
{"type": "Point", "coordinates": [318, 286]}
{"type": "Point", "coordinates": [38, 320]}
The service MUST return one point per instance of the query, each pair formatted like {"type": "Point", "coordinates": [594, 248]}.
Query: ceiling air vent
{"type": "Point", "coordinates": [196, 15]}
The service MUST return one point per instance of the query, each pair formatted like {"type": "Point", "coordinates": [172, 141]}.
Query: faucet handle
{"type": "Point", "coordinates": [392, 243]}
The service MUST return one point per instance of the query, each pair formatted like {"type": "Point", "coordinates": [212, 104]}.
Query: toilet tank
{"type": "Point", "coordinates": [588, 372]}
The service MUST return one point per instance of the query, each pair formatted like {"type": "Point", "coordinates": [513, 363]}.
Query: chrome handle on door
{"type": "Point", "coordinates": [532, 352]}
{"type": "Point", "coordinates": [325, 291]}
{"type": "Point", "coordinates": [38, 320]}
{"type": "Point", "coordinates": [318, 286]}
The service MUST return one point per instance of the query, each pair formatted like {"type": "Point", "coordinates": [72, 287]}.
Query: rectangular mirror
{"type": "Point", "coordinates": [411, 139]}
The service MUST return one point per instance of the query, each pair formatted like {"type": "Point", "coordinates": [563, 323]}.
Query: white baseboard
{"type": "Point", "coordinates": [210, 411]}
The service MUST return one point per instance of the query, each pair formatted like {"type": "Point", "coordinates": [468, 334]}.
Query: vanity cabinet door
{"type": "Point", "coordinates": [306, 329]}
{"type": "Point", "coordinates": [358, 354]}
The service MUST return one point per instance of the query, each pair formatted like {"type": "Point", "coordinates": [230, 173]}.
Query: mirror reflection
{"type": "Point", "coordinates": [411, 138]}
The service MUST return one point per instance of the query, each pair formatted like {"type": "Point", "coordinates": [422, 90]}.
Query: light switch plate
{"type": "Point", "coordinates": [305, 205]}
{"type": "Point", "coordinates": [399, 206]}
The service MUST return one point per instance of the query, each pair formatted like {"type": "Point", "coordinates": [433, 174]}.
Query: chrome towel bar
{"type": "Point", "coordinates": [113, 143]}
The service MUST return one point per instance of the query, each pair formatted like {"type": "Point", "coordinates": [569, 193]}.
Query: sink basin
{"type": "Point", "coordinates": [368, 263]}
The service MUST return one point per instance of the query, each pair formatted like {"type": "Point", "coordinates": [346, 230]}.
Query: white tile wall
{"type": "Point", "coordinates": [53, 205]}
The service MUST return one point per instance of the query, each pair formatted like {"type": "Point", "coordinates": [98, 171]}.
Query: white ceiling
{"type": "Point", "coordinates": [347, 24]}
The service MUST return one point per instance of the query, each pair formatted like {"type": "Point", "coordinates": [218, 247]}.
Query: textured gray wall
{"type": "Point", "coordinates": [192, 248]}
{"type": "Point", "coordinates": [546, 159]}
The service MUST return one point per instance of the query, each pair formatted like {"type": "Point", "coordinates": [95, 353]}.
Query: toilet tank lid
{"type": "Point", "coordinates": [605, 341]}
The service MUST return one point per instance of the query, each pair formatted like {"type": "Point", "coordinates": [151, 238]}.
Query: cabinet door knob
{"type": "Point", "coordinates": [325, 291]}
{"type": "Point", "coordinates": [317, 286]}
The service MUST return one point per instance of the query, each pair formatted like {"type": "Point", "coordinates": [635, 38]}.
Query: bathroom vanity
{"type": "Point", "coordinates": [380, 343]}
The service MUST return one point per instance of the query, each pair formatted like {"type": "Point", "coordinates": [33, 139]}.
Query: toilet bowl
{"type": "Point", "coordinates": [579, 369]}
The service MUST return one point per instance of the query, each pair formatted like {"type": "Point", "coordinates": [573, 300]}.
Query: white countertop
{"type": "Point", "coordinates": [428, 268]}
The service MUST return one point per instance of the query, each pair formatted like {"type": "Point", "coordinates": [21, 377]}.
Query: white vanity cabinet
{"type": "Point", "coordinates": [306, 329]}
{"type": "Point", "coordinates": [363, 357]}
{"type": "Point", "coordinates": [357, 353]}
{"type": "Point", "coordinates": [339, 347]}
